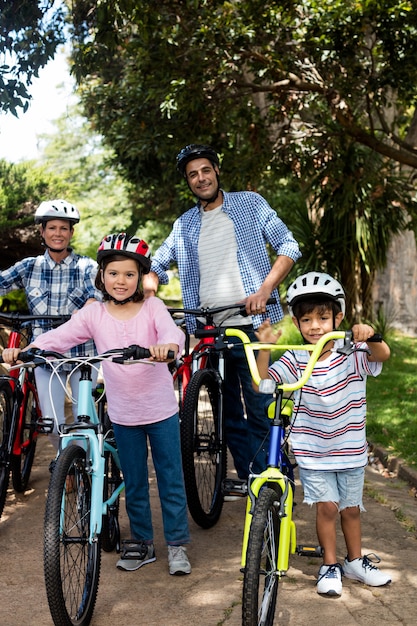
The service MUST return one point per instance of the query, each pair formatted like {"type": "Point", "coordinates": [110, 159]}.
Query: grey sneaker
{"type": "Point", "coordinates": [135, 554]}
{"type": "Point", "coordinates": [363, 570]}
{"type": "Point", "coordinates": [329, 580]}
{"type": "Point", "coordinates": [178, 561]}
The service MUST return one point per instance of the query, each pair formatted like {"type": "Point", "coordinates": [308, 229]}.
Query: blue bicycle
{"type": "Point", "coordinates": [82, 506]}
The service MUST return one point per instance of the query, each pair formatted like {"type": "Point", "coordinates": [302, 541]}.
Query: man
{"type": "Point", "coordinates": [219, 246]}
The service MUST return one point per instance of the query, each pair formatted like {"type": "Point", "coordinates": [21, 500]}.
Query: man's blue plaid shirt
{"type": "Point", "coordinates": [54, 288]}
{"type": "Point", "coordinates": [256, 224]}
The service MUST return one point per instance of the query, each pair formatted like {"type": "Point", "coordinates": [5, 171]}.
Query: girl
{"type": "Point", "coordinates": [140, 398]}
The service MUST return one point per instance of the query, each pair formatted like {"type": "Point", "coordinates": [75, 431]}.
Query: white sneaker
{"type": "Point", "coordinates": [329, 581]}
{"type": "Point", "coordinates": [178, 561]}
{"type": "Point", "coordinates": [362, 569]}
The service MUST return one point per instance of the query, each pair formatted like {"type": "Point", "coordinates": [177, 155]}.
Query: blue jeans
{"type": "Point", "coordinates": [247, 439]}
{"type": "Point", "coordinates": [132, 444]}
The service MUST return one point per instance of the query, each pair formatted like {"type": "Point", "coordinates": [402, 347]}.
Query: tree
{"type": "Point", "coordinates": [30, 33]}
{"type": "Point", "coordinates": [323, 91]}
{"type": "Point", "coordinates": [22, 188]}
{"type": "Point", "coordinates": [289, 90]}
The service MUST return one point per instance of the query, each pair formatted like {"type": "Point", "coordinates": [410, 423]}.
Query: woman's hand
{"type": "Point", "coordinates": [11, 355]}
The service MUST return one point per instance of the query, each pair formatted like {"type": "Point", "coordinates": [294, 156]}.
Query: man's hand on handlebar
{"type": "Point", "coordinates": [256, 302]}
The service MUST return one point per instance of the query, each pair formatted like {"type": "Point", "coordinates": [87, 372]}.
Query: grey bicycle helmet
{"type": "Point", "coordinates": [56, 210]}
{"type": "Point", "coordinates": [124, 245]}
{"type": "Point", "coordinates": [196, 151]}
{"type": "Point", "coordinates": [315, 284]}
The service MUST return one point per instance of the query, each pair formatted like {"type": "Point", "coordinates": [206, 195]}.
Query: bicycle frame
{"type": "Point", "coordinates": [20, 383]}
{"type": "Point", "coordinates": [94, 442]}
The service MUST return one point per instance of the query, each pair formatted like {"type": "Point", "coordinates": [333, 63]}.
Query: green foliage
{"type": "Point", "coordinates": [22, 187]}
{"type": "Point", "coordinates": [391, 420]}
{"type": "Point", "coordinates": [76, 154]}
{"type": "Point", "coordinates": [30, 33]}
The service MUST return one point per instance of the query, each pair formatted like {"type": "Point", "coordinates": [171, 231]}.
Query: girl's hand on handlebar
{"type": "Point", "coordinates": [159, 352]}
{"type": "Point", "coordinates": [266, 333]}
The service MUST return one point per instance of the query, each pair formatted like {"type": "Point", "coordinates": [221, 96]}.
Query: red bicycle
{"type": "Point", "coordinates": [20, 414]}
{"type": "Point", "coordinates": [198, 378]}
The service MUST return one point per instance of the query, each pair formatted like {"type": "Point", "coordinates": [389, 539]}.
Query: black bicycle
{"type": "Point", "coordinates": [199, 377]}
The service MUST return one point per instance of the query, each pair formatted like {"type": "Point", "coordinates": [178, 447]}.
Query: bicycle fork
{"type": "Point", "coordinates": [287, 533]}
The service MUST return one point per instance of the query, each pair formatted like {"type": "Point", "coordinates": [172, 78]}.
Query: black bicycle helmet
{"type": "Point", "coordinates": [196, 151]}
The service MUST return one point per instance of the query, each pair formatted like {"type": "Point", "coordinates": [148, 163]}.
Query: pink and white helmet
{"type": "Point", "coordinates": [123, 244]}
{"type": "Point", "coordinates": [56, 210]}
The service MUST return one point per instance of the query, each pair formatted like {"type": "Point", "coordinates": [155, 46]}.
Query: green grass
{"type": "Point", "coordinates": [392, 419]}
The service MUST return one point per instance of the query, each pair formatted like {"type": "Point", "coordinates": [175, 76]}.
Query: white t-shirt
{"type": "Point", "coordinates": [220, 279]}
{"type": "Point", "coordinates": [328, 429]}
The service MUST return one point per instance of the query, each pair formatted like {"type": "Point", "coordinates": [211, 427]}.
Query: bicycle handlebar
{"type": "Point", "coordinates": [134, 352]}
{"type": "Point", "coordinates": [209, 312]}
{"type": "Point", "coordinates": [15, 319]}
{"type": "Point", "coordinates": [315, 349]}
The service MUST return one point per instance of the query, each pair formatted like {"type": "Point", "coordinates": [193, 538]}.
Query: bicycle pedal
{"type": "Point", "coordinates": [45, 426]}
{"type": "Point", "coordinates": [232, 487]}
{"type": "Point", "coordinates": [314, 551]}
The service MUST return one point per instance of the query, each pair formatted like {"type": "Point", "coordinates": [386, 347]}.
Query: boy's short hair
{"type": "Point", "coordinates": [304, 307]}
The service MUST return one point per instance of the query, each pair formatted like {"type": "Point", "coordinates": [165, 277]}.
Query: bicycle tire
{"type": "Point", "coordinates": [21, 464]}
{"type": "Point", "coordinates": [71, 562]}
{"type": "Point", "coordinates": [110, 531]}
{"type": "Point", "coordinates": [203, 446]}
{"type": "Point", "coordinates": [6, 400]}
{"type": "Point", "coordinates": [260, 582]}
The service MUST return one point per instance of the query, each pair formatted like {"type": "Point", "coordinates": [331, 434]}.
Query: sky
{"type": "Point", "coordinates": [51, 94]}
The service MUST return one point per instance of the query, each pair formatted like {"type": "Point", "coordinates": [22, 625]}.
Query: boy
{"type": "Point", "coordinates": [328, 433]}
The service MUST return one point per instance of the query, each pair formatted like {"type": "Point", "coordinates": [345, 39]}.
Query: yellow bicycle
{"type": "Point", "coordinates": [269, 536]}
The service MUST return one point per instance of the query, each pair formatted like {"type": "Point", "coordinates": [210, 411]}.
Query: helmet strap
{"type": "Point", "coordinates": [120, 301]}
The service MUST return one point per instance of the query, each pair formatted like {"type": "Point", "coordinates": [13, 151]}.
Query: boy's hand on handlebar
{"type": "Point", "coordinates": [266, 333]}
{"type": "Point", "coordinates": [362, 332]}
{"type": "Point", "coordinates": [159, 352]}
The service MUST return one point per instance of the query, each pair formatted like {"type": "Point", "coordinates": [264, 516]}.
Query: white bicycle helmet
{"type": "Point", "coordinates": [316, 284]}
{"type": "Point", "coordinates": [123, 244]}
{"type": "Point", "coordinates": [56, 210]}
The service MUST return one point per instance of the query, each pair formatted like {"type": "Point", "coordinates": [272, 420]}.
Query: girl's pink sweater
{"type": "Point", "coordinates": [138, 393]}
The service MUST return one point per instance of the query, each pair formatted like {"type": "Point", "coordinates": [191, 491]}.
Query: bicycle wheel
{"type": "Point", "coordinates": [110, 532]}
{"type": "Point", "coordinates": [71, 562]}
{"type": "Point", "coordinates": [203, 448]}
{"type": "Point", "coordinates": [260, 583]}
{"type": "Point", "coordinates": [21, 464]}
{"type": "Point", "coordinates": [5, 425]}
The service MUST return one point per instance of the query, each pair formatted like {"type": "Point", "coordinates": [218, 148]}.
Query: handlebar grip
{"type": "Point", "coordinates": [375, 338]}
{"type": "Point", "coordinates": [137, 353]}
{"type": "Point", "coordinates": [243, 312]}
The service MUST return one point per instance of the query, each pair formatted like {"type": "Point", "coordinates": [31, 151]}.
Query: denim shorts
{"type": "Point", "coordinates": [344, 488]}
